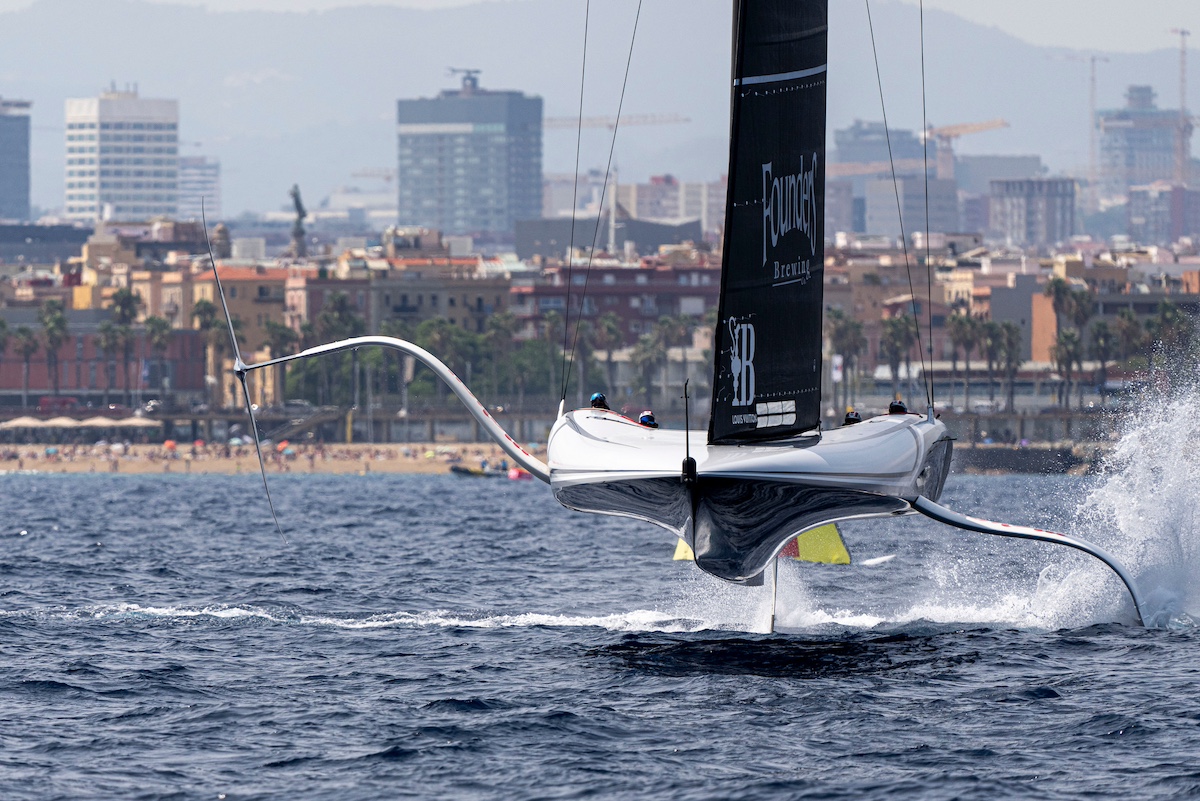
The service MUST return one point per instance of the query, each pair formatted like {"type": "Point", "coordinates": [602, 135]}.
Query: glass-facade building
{"type": "Point", "coordinates": [470, 161]}
{"type": "Point", "coordinates": [122, 157]}
{"type": "Point", "coordinates": [14, 160]}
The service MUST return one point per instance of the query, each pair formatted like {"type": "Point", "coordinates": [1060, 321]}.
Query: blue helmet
{"type": "Point", "coordinates": [647, 419]}
{"type": "Point", "coordinates": [599, 401]}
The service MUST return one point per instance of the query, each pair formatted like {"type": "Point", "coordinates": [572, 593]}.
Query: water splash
{"type": "Point", "coordinates": [1147, 507]}
{"type": "Point", "coordinates": [639, 620]}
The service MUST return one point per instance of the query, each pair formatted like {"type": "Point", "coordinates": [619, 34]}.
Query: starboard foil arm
{"type": "Point", "coordinates": [951, 518]}
{"type": "Point", "coordinates": [529, 462]}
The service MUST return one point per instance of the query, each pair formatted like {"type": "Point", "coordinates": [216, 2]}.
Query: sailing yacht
{"type": "Point", "coordinates": [764, 471]}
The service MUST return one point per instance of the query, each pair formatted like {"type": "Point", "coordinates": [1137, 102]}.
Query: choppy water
{"type": "Point", "coordinates": [436, 637]}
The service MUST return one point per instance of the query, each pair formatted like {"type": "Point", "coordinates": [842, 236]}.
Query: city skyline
{"type": "Point", "coordinates": [273, 118]}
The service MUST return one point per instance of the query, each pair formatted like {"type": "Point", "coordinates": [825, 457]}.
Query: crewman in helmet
{"type": "Point", "coordinates": [647, 419]}
{"type": "Point", "coordinates": [852, 417]}
{"type": "Point", "coordinates": [897, 407]}
{"type": "Point", "coordinates": [599, 401]}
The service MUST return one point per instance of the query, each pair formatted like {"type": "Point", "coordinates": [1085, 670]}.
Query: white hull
{"type": "Point", "coordinates": [746, 501]}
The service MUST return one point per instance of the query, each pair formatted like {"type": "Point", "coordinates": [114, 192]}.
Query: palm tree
{"type": "Point", "coordinates": [1059, 292]}
{"type": "Point", "coordinates": [607, 337]}
{"type": "Point", "coordinates": [281, 340]}
{"type": "Point", "coordinates": [1011, 356]}
{"type": "Point", "coordinates": [158, 331]}
{"type": "Point", "coordinates": [1130, 333]}
{"type": "Point", "coordinates": [991, 343]}
{"type": "Point", "coordinates": [27, 345]}
{"type": "Point", "coordinates": [552, 332]}
{"type": "Point", "coordinates": [1066, 353]}
{"type": "Point", "coordinates": [125, 305]}
{"type": "Point", "coordinates": [107, 343]}
{"type": "Point", "coordinates": [647, 355]}
{"type": "Point", "coordinates": [964, 333]}
{"type": "Point", "coordinates": [845, 339]}
{"type": "Point", "coordinates": [54, 324]}
{"type": "Point", "coordinates": [892, 346]}
{"type": "Point", "coordinates": [499, 340]}
{"type": "Point", "coordinates": [1104, 344]}
{"type": "Point", "coordinates": [125, 340]}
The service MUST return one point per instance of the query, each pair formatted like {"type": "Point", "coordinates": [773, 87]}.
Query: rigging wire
{"type": "Point", "coordinates": [929, 384]}
{"type": "Point", "coordinates": [896, 188]}
{"type": "Point", "coordinates": [587, 274]}
{"type": "Point", "coordinates": [587, 13]}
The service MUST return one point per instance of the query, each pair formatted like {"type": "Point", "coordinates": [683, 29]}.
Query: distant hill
{"type": "Point", "coordinates": [309, 98]}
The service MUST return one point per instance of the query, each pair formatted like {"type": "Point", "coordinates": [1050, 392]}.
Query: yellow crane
{"type": "Point", "coordinates": [945, 136]}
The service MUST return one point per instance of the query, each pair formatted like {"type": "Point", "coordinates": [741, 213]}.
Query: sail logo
{"type": "Point", "coordinates": [789, 204]}
{"type": "Point", "coordinates": [741, 363]}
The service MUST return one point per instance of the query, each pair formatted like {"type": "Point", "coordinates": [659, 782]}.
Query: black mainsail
{"type": "Point", "coordinates": [768, 341]}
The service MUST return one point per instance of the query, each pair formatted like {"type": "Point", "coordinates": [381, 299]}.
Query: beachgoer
{"type": "Point", "coordinates": [647, 419]}
{"type": "Point", "coordinates": [599, 401]}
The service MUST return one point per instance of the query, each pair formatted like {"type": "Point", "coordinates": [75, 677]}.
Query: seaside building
{"type": "Point", "coordinates": [1162, 213]}
{"type": "Point", "coordinates": [881, 215]}
{"type": "Point", "coordinates": [470, 161]}
{"type": "Point", "coordinates": [1139, 144]}
{"type": "Point", "coordinates": [122, 157]}
{"type": "Point", "coordinates": [199, 180]}
{"type": "Point", "coordinates": [1034, 212]}
{"type": "Point", "coordinates": [14, 160]}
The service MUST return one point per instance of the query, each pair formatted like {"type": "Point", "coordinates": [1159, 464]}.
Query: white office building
{"type": "Point", "coordinates": [122, 155]}
{"type": "Point", "coordinates": [199, 181]}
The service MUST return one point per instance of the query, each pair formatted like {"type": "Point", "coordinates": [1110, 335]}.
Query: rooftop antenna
{"type": "Point", "coordinates": [470, 78]}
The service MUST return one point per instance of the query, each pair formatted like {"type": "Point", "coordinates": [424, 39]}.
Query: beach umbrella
{"type": "Point", "coordinates": [282, 446]}
{"type": "Point", "coordinates": [137, 422]}
{"type": "Point", "coordinates": [170, 444]}
{"type": "Point", "coordinates": [22, 422]}
{"type": "Point", "coordinates": [61, 422]}
{"type": "Point", "coordinates": [199, 443]}
{"type": "Point", "coordinates": [96, 422]}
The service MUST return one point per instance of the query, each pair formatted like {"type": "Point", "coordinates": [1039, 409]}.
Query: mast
{"type": "Point", "coordinates": [768, 340]}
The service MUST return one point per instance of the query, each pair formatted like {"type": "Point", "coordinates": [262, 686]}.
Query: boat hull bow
{"type": "Point", "coordinates": [746, 501]}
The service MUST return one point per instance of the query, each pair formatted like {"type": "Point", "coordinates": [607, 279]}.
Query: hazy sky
{"type": "Point", "coordinates": [1111, 25]}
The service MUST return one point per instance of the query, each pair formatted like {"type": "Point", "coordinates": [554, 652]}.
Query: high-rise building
{"type": "Point", "coordinates": [1139, 144]}
{"type": "Point", "coordinates": [1034, 212]}
{"type": "Point", "coordinates": [14, 159]}
{"type": "Point", "coordinates": [199, 180]}
{"type": "Point", "coordinates": [122, 157]}
{"type": "Point", "coordinates": [470, 160]}
{"type": "Point", "coordinates": [1162, 213]}
{"type": "Point", "coordinates": [881, 217]}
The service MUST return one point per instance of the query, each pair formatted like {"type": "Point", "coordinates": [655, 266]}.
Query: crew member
{"type": "Point", "coordinates": [599, 401]}
{"type": "Point", "coordinates": [897, 407]}
{"type": "Point", "coordinates": [852, 417]}
{"type": "Point", "coordinates": [647, 419]}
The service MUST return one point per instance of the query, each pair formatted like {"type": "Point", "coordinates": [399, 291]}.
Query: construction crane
{"type": "Point", "coordinates": [851, 169]}
{"type": "Point", "coordinates": [378, 173]}
{"type": "Point", "coordinates": [561, 123]}
{"type": "Point", "coordinates": [945, 136]}
{"type": "Point", "coordinates": [1185, 121]}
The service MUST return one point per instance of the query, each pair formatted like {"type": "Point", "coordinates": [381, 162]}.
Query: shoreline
{"type": "Point", "coordinates": [335, 459]}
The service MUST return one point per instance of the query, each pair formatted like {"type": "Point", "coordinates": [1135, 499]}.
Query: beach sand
{"type": "Point", "coordinates": [337, 458]}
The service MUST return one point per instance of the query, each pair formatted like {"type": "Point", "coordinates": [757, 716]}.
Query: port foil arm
{"type": "Point", "coordinates": [951, 518]}
{"type": "Point", "coordinates": [535, 466]}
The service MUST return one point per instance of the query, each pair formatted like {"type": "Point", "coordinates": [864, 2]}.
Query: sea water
{"type": "Point", "coordinates": [440, 637]}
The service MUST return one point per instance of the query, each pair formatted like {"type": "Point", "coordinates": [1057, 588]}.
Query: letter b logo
{"type": "Point", "coordinates": [742, 362]}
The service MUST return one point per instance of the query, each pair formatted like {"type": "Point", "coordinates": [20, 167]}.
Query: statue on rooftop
{"type": "Point", "coordinates": [299, 247]}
